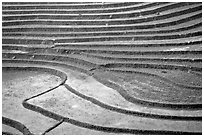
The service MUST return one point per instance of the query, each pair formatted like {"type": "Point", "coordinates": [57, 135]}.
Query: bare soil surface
{"type": "Point", "coordinates": [68, 104]}
{"type": "Point", "coordinates": [65, 103]}
{"type": "Point", "coordinates": [102, 68]}
{"type": "Point", "coordinates": [10, 130]}
{"type": "Point", "coordinates": [19, 85]}
{"type": "Point", "coordinates": [70, 129]}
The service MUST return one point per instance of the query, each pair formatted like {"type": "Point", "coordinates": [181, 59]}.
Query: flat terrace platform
{"type": "Point", "coordinates": [101, 68]}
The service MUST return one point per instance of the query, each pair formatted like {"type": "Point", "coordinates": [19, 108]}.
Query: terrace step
{"type": "Point", "coordinates": [140, 63]}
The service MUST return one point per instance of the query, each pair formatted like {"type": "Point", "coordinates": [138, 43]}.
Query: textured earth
{"type": "Point", "coordinates": [101, 68]}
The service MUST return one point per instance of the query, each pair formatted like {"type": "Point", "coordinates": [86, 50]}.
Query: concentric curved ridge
{"type": "Point", "coordinates": [132, 60]}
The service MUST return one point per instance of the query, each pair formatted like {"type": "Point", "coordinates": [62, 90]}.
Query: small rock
{"type": "Point", "coordinates": [110, 16]}
{"type": "Point", "coordinates": [33, 57]}
{"type": "Point", "coordinates": [13, 57]}
{"type": "Point", "coordinates": [133, 39]}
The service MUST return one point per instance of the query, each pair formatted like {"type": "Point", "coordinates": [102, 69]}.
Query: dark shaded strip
{"type": "Point", "coordinates": [94, 22]}
{"type": "Point", "coordinates": [99, 128]}
{"type": "Point", "coordinates": [127, 38]}
{"type": "Point", "coordinates": [53, 58]}
{"type": "Point", "coordinates": [118, 15]}
{"type": "Point", "coordinates": [120, 45]}
{"type": "Point", "coordinates": [25, 3]}
{"type": "Point", "coordinates": [128, 112]}
{"type": "Point", "coordinates": [100, 39]}
{"type": "Point", "coordinates": [155, 66]}
{"type": "Point", "coordinates": [64, 51]}
{"type": "Point", "coordinates": [83, 5]}
{"type": "Point", "coordinates": [41, 62]}
{"type": "Point", "coordinates": [138, 52]}
{"type": "Point", "coordinates": [6, 133]}
{"type": "Point", "coordinates": [57, 6]}
{"type": "Point", "coordinates": [17, 125]}
{"type": "Point", "coordinates": [105, 57]}
{"type": "Point", "coordinates": [53, 127]}
{"type": "Point", "coordinates": [107, 65]}
{"type": "Point", "coordinates": [104, 10]}
{"type": "Point", "coordinates": [113, 28]}
{"type": "Point", "coordinates": [113, 16]}
{"type": "Point", "coordinates": [129, 98]}
{"type": "Point", "coordinates": [59, 34]}
{"type": "Point", "coordinates": [163, 78]}
{"type": "Point", "coordinates": [80, 46]}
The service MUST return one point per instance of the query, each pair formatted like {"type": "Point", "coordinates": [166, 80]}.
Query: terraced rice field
{"type": "Point", "coordinates": [102, 68]}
